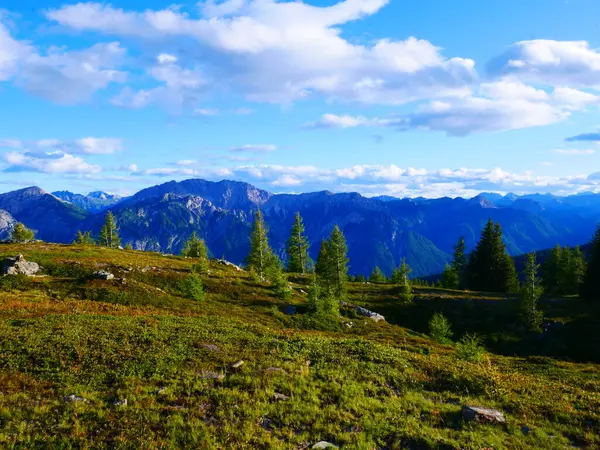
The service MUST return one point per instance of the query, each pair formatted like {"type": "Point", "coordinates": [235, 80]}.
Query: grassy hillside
{"type": "Point", "coordinates": [355, 383]}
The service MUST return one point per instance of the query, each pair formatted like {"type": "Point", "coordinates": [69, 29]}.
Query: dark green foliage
{"type": "Point", "coordinates": [128, 246]}
{"type": "Point", "coordinates": [490, 268]}
{"type": "Point", "coordinates": [192, 287]}
{"type": "Point", "coordinates": [531, 291]}
{"type": "Point", "coordinates": [332, 265]}
{"type": "Point", "coordinates": [297, 247]}
{"type": "Point", "coordinates": [590, 288]}
{"type": "Point", "coordinates": [459, 263]}
{"type": "Point", "coordinates": [401, 278]}
{"type": "Point", "coordinates": [21, 234]}
{"type": "Point", "coordinates": [109, 234]}
{"type": "Point", "coordinates": [470, 348]}
{"type": "Point", "coordinates": [440, 328]}
{"type": "Point", "coordinates": [196, 248]}
{"type": "Point", "coordinates": [563, 271]}
{"type": "Point", "coordinates": [450, 277]}
{"type": "Point", "coordinates": [260, 259]}
{"type": "Point", "coordinates": [377, 276]}
{"type": "Point", "coordinates": [84, 238]}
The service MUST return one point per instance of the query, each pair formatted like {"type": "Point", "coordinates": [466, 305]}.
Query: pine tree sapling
{"type": "Point", "coordinates": [459, 261]}
{"type": "Point", "coordinates": [401, 278]}
{"type": "Point", "coordinates": [470, 348]}
{"type": "Point", "coordinates": [84, 238]}
{"type": "Point", "coordinates": [20, 234]}
{"type": "Point", "coordinates": [337, 257]}
{"type": "Point", "coordinates": [531, 292]}
{"type": "Point", "coordinates": [297, 247]}
{"type": "Point", "coordinates": [261, 256]}
{"type": "Point", "coordinates": [440, 329]}
{"type": "Point", "coordinates": [193, 288]}
{"type": "Point", "coordinates": [109, 234]}
{"type": "Point", "coordinates": [196, 248]}
{"type": "Point", "coordinates": [377, 276]}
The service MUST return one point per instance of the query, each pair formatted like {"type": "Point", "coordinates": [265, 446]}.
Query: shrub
{"type": "Point", "coordinates": [440, 329]}
{"type": "Point", "coordinates": [201, 267]}
{"type": "Point", "coordinates": [192, 287]}
{"type": "Point", "coordinates": [470, 348]}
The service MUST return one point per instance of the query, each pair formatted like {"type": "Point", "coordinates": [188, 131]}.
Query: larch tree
{"type": "Point", "coordinates": [21, 234]}
{"type": "Point", "coordinates": [196, 248]}
{"type": "Point", "coordinates": [261, 258]}
{"type": "Point", "coordinates": [590, 288]}
{"type": "Point", "coordinates": [297, 247]}
{"type": "Point", "coordinates": [377, 276]}
{"type": "Point", "coordinates": [109, 234]}
{"type": "Point", "coordinates": [402, 277]}
{"type": "Point", "coordinates": [531, 291]}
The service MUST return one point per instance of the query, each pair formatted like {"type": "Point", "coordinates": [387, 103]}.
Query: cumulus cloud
{"type": "Point", "coordinates": [550, 62]}
{"type": "Point", "coordinates": [388, 179]}
{"type": "Point", "coordinates": [498, 106]}
{"type": "Point", "coordinates": [53, 162]}
{"type": "Point", "coordinates": [284, 51]}
{"type": "Point", "coordinates": [60, 75]}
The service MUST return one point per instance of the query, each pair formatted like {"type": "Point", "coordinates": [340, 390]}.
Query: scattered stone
{"type": "Point", "coordinates": [161, 391]}
{"type": "Point", "coordinates": [73, 399]}
{"type": "Point", "coordinates": [275, 370]}
{"type": "Point", "coordinates": [103, 275]}
{"type": "Point", "coordinates": [120, 402]}
{"type": "Point", "coordinates": [324, 444]}
{"type": "Point", "coordinates": [370, 314]}
{"type": "Point", "coordinates": [146, 269]}
{"type": "Point", "coordinates": [211, 347]}
{"type": "Point", "coordinates": [278, 396]}
{"type": "Point", "coordinates": [482, 415]}
{"type": "Point", "coordinates": [229, 264]}
{"type": "Point", "coordinates": [302, 291]}
{"type": "Point", "coordinates": [209, 374]}
{"type": "Point", "coordinates": [18, 266]}
{"type": "Point", "coordinates": [289, 310]}
{"type": "Point", "coordinates": [237, 364]}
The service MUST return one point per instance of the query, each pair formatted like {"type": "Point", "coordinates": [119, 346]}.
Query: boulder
{"type": "Point", "coordinates": [237, 364]}
{"type": "Point", "coordinates": [73, 399]}
{"type": "Point", "coordinates": [482, 415]}
{"type": "Point", "coordinates": [370, 314]}
{"type": "Point", "coordinates": [103, 275]}
{"type": "Point", "coordinates": [18, 266]}
{"type": "Point", "coordinates": [278, 396]}
{"type": "Point", "coordinates": [230, 264]}
{"type": "Point", "coordinates": [324, 444]}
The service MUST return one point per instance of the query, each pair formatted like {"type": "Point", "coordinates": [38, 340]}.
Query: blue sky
{"type": "Point", "coordinates": [399, 97]}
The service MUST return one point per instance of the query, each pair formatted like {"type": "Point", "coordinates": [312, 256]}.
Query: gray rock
{"type": "Point", "coordinates": [7, 223]}
{"type": "Point", "coordinates": [370, 314]}
{"type": "Point", "coordinates": [18, 266]}
{"type": "Point", "coordinates": [103, 275]}
{"type": "Point", "coordinates": [73, 399]}
{"type": "Point", "coordinates": [211, 347]}
{"type": "Point", "coordinates": [120, 402]}
{"type": "Point", "coordinates": [278, 396]}
{"type": "Point", "coordinates": [237, 364]}
{"type": "Point", "coordinates": [210, 374]}
{"type": "Point", "coordinates": [482, 415]}
{"type": "Point", "coordinates": [230, 264]}
{"type": "Point", "coordinates": [324, 444]}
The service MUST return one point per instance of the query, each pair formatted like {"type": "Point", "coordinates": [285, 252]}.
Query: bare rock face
{"type": "Point", "coordinates": [18, 266]}
{"type": "Point", "coordinates": [482, 415]}
{"type": "Point", "coordinates": [7, 223]}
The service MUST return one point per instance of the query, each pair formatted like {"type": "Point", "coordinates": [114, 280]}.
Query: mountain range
{"type": "Point", "coordinates": [380, 231]}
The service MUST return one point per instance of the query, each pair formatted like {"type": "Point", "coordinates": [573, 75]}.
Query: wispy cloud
{"type": "Point", "coordinates": [575, 151]}
{"type": "Point", "coordinates": [255, 148]}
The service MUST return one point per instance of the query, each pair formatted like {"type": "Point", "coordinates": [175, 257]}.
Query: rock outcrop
{"type": "Point", "coordinates": [482, 415]}
{"type": "Point", "coordinates": [18, 266]}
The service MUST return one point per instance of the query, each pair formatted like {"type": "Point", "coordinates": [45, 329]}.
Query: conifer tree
{"type": "Point", "coordinates": [550, 271]}
{"type": "Point", "coordinates": [377, 276]}
{"type": "Point", "coordinates": [261, 258]}
{"type": "Point", "coordinates": [297, 247]}
{"type": "Point", "coordinates": [531, 292]}
{"type": "Point", "coordinates": [401, 278]}
{"type": "Point", "coordinates": [322, 264]}
{"type": "Point", "coordinates": [450, 277]}
{"type": "Point", "coordinates": [109, 234]}
{"type": "Point", "coordinates": [590, 288]}
{"type": "Point", "coordinates": [576, 273]}
{"type": "Point", "coordinates": [460, 260]}
{"type": "Point", "coordinates": [196, 248]}
{"type": "Point", "coordinates": [490, 268]}
{"type": "Point", "coordinates": [21, 234]}
{"type": "Point", "coordinates": [337, 262]}
{"type": "Point", "coordinates": [84, 238]}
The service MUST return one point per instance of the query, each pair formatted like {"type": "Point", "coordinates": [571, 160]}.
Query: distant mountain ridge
{"type": "Point", "coordinates": [379, 231]}
{"type": "Point", "coordinates": [93, 202]}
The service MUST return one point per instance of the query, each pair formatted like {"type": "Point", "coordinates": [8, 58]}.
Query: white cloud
{"type": "Point", "coordinates": [575, 151]}
{"type": "Point", "coordinates": [178, 87]}
{"type": "Point", "coordinates": [205, 112]}
{"type": "Point", "coordinates": [389, 179]}
{"type": "Point", "coordinates": [284, 51]}
{"type": "Point", "coordinates": [98, 146]}
{"type": "Point", "coordinates": [243, 111]}
{"type": "Point", "coordinates": [54, 162]}
{"type": "Point", "coordinates": [571, 63]}
{"type": "Point", "coordinates": [255, 148]}
{"type": "Point", "coordinates": [498, 106]}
